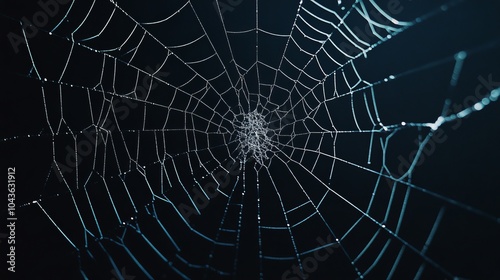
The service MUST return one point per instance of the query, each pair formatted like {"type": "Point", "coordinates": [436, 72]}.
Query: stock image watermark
{"type": "Point", "coordinates": [439, 136]}
{"type": "Point", "coordinates": [122, 107]}
{"type": "Point", "coordinates": [40, 19]}
{"type": "Point", "coordinates": [310, 264]}
{"type": "Point", "coordinates": [367, 35]}
{"type": "Point", "coordinates": [225, 5]}
{"type": "Point", "coordinates": [121, 275]}
{"type": "Point", "coordinates": [201, 198]}
{"type": "Point", "coordinates": [11, 219]}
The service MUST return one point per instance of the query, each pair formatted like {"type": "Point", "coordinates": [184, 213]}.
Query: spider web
{"type": "Point", "coordinates": [250, 140]}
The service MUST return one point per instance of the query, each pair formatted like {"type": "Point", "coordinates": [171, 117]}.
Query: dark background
{"type": "Point", "coordinates": [463, 169]}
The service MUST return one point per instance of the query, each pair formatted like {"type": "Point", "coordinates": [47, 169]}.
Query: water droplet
{"type": "Point", "coordinates": [478, 106]}
{"type": "Point", "coordinates": [461, 55]}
